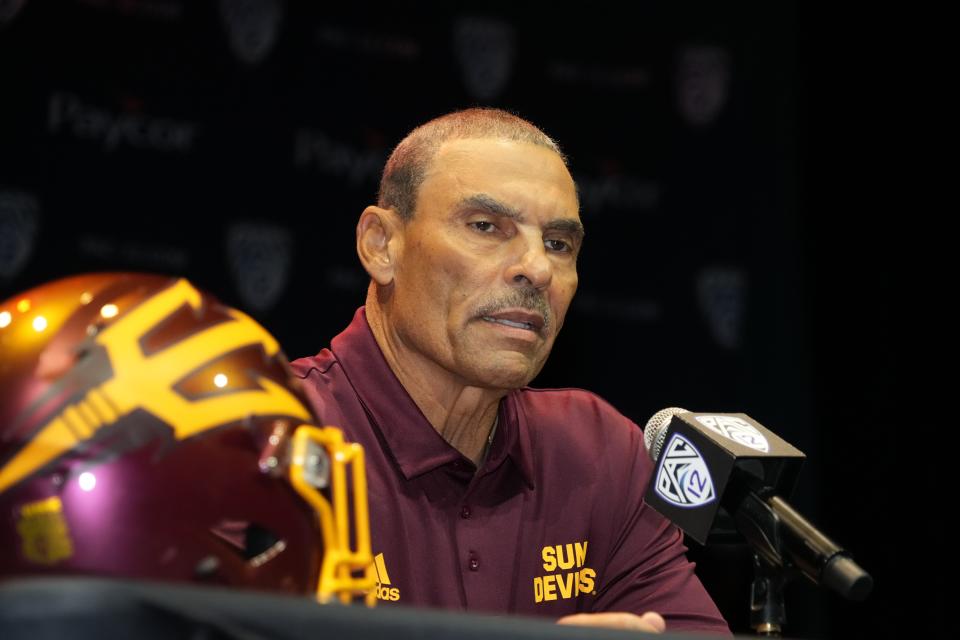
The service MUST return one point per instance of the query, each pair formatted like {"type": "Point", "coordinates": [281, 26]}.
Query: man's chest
{"type": "Point", "coordinates": [497, 547]}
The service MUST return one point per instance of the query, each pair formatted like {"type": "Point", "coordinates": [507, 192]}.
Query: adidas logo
{"type": "Point", "coordinates": [384, 590]}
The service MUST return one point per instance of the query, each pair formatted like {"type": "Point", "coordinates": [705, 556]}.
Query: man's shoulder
{"type": "Point", "coordinates": [566, 399]}
{"type": "Point", "coordinates": [320, 380]}
{"type": "Point", "coordinates": [581, 433]}
{"type": "Point", "coordinates": [572, 409]}
{"type": "Point", "coordinates": [318, 364]}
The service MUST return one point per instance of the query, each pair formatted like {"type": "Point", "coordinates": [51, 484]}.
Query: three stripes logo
{"type": "Point", "coordinates": [384, 590]}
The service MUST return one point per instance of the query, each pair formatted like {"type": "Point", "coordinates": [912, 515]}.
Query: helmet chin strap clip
{"type": "Point", "coordinates": [316, 465]}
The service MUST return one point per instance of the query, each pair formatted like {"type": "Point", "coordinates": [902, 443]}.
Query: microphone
{"type": "Point", "coordinates": [705, 461]}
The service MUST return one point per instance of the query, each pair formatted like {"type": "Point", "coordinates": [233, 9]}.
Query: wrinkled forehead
{"type": "Point", "coordinates": [470, 147]}
{"type": "Point", "coordinates": [462, 167]}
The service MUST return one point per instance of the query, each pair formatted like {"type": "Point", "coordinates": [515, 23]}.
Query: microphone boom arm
{"type": "Point", "coordinates": [784, 539]}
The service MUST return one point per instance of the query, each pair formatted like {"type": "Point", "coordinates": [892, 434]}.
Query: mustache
{"type": "Point", "coordinates": [527, 298]}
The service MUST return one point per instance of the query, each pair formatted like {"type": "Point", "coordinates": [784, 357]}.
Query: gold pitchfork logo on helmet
{"type": "Point", "coordinates": [143, 379]}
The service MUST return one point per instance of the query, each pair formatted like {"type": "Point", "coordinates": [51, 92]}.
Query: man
{"type": "Point", "coordinates": [484, 494]}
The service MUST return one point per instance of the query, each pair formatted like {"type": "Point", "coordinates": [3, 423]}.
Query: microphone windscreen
{"type": "Point", "coordinates": [656, 430]}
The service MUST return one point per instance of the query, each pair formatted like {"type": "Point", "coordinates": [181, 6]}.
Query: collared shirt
{"type": "Point", "coordinates": [553, 523]}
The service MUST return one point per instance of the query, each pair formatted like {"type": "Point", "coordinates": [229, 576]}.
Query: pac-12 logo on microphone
{"type": "Point", "coordinates": [735, 429]}
{"type": "Point", "coordinates": [684, 479]}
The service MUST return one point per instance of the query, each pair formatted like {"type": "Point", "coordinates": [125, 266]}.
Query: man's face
{"type": "Point", "coordinates": [486, 269]}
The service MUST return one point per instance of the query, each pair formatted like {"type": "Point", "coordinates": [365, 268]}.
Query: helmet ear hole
{"type": "Point", "coordinates": [260, 542]}
{"type": "Point", "coordinates": [254, 543]}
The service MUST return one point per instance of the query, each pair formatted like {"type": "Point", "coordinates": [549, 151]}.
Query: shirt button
{"type": "Point", "coordinates": [474, 564]}
{"type": "Point", "coordinates": [465, 512]}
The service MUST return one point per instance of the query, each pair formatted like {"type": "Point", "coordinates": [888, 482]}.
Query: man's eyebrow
{"type": "Point", "coordinates": [568, 225]}
{"type": "Point", "coordinates": [491, 205]}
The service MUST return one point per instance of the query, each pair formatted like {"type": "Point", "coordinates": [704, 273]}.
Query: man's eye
{"type": "Point", "coordinates": [557, 245]}
{"type": "Point", "coordinates": [483, 225]}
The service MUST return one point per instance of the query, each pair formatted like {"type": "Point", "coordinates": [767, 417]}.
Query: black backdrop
{"type": "Point", "coordinates": [236, 142]}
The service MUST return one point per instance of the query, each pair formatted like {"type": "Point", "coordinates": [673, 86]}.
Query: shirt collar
{"type": "Point", "coordinates": [413, 442]}
{"type": "Point", "coordinates": [514, 442]}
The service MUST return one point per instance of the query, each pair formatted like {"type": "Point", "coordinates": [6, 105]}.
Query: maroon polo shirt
{"type": "Point", "coordinates": [553, 523]}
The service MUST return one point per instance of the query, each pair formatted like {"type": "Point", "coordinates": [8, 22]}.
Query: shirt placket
{"type": "Point", "coordinates": [487, 530]}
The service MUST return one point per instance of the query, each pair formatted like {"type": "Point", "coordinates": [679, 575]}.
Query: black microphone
{"type": "Point", "coordinates": [705, 461]}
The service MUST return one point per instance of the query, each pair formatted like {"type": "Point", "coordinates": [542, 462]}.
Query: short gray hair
{"type": "Point", "coordinates": [410, 160]}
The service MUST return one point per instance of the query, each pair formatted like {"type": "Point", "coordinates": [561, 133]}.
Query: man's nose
{"type": "Point", "coordinates": [531, 266]}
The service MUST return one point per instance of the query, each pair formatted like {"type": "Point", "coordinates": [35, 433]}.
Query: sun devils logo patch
{"type": "Point", "coordinates": [19, 219]}
{"type": "Point", "coordinates": [259, 257]}
{"type": "Point", "coordinates": [683, 478]}
{"type": "Point", "coordinates": [485, 50]}
{"type": "Point", "coordinates": [735, 429]}
{"type": "Point", "coordinates": [252, 27]}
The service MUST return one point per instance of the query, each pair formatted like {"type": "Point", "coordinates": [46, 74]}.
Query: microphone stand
{"type": "Point", "coordinates": [761, 528]}
{"type": "Point", "coordinates": [768, 613]}
{"type": "Point", "coordinates": [771, 527]}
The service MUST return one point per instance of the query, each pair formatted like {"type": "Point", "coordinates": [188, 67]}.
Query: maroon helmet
{"type": "Point", "coordinates": [148, 431]}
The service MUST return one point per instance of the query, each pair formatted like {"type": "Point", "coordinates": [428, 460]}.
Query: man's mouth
{"type": "Point", "coordinates": [510, 323]}
{"type": "Point", "coordinates": [517, 319]}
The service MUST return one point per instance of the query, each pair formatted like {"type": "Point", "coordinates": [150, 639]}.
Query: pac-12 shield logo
{"type": "Point", "coordinates": [703, 83]}
{"type": "Point", "coordinates": [740, 431]}
{"type": "Point", "coordinates": [19, 221]}
{"type": "Point", "coordinates": [260, 259]}
{"type": "Point", "coordinates": [252, 27]}
{"type": "Point", "coordinates": [722, 293]}
{"type": "Point", "coordinates": [485, 48]}
{"type": "Point", "coordinates": [684, 479]}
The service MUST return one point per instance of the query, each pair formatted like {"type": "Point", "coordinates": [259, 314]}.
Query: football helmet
{"type": "Point", "coordinates": [148, 431]}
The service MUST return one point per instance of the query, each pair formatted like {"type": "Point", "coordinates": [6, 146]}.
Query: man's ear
{"type": "Point", "coordinates": [379, 239]}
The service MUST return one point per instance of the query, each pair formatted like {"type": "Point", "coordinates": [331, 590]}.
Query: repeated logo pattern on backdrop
{"type": "Point", "coordinates": [235, 142]}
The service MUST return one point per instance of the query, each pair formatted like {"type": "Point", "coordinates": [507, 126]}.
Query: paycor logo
{"type": "Point", "coordinates": [69, 114]}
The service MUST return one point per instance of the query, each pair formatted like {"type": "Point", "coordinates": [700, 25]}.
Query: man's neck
{"type": "Point", "coordinates": [463, 415]}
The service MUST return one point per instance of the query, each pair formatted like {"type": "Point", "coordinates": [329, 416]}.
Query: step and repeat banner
{"type": "Point", "coordinates": [236, 142]}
